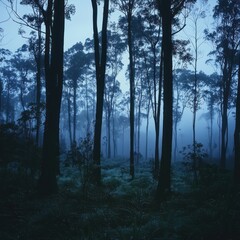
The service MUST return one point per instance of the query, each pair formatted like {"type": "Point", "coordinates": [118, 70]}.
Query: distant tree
{"type": "Point", "coordinates": [116, 47]}
{"type": "Point", "coordinates": [34, 20]}
{"type": "Point", "coordinates": [182, 57]}
{"type": "Point", "coordinates": [76, 64]}
{"type": "Point", "coordinates": [22, 63]}
{"type": "Point", "coordinates": [128, 8]}
{"type": "Point", "coordinates": [4, 56]}
{"type": "Point", "coordinates": [197, 13]}
{"type": "Point", "coordinates": [152, 54]}
{"type": "Point", "coordinates": [225, 38]}
{"type": "Point", "coordinates": [211, 97]}
{"type": "Point", "coordinates": [9, 89]}
{"type": "Point", "coordinates": [123, 122]}
{"type": "Point", "coordinates": [181, 99]}
{"type": "Point", "coordinates": [237, 132]}
{"type": "Point", "coordinates": [100, 51]}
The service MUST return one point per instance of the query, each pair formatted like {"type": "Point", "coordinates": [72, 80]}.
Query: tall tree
{"type": "Point", "coordinates": [164, 182]}
{"type": "Point", "coordinates": [116, 46]}
{"type": "Point", "coordinates": [151, 32]}
{"type": "Point", "coordinates": [225, 38]}
{"type": "Point", "coordinates": [76, 62]}
{"type": "Point", "coordinates": [100, 65]}
{"type": "Point", "coordinates": [237, 132]}
{"type": "Point", "coordinates": [54, 40]}
{"type": "Point", "coordinates": [196, 15]}
{"type": "Point", "coordinates": [127, 7]}
{"type": "Point", "coordinates": [168, 10]}
{"type": "Point", "coordinates": [35, 21]}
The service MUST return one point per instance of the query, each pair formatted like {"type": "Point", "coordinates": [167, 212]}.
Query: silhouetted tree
{"type": "Point", "coordinates": [168, 10]}
{"type": "Point", "coordinates": [237, 132]}
{"type": "Point", "coordinates": [100, 64]}
{"type": "Point", "coordinates": [127, 7]}
{"type": "Point", "coordinates": [54, 16]}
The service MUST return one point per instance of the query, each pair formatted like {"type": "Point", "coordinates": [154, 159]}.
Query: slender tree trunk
{"type": "Point", "coordinates": [54, 81]}
{"type": "Point", "coordinates": [194, 120]}
{"type": "Point", "coordinates": [227, 80]}
{"type": "Point", "coordinates": [164, 181]}
{"type": "Point", "coordinates": [237, 134]}
{"type": "Point", "coordinates": [139, 127]}
{"type": "Point", "coordinates": [211, 130]}
{"type": "Point", "coordinates": [114, 134]}
{"type": "Point", "coordinates": [74, 109]}
{"type": "Point", "coordinates": [147, 128]}
{"type": "Point", "coordinates": [8, 102]}
{"type": "Point", "coordinates": [38, 86]}
{"type": "Point", "coordinates": [87, 106]}
{"type": "Point", "coordinates": [69, 120]}
{"type": "Point", "coordinates": [132, 92]}
{"type": "Point", "coordinates": [100, 62]}
{"type": "Point", "coordinates": [109, 131]}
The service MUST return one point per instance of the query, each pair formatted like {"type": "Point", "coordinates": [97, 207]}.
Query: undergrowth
{"type": "Point", "coordinates": [120, 208]}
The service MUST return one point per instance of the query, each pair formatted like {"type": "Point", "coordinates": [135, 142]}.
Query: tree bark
{"type": "Point", "coordinates": [100, 64]}
{"type": "Point", "coordinates": [132, 89]}
{"type": "Point", "coordinates": [54, 81]}
{"type": "Point", "coordinates": [164, 180]}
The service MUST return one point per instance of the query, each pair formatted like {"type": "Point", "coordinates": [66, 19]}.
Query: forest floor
{"type": "Point", "coordinates": [121, 209]}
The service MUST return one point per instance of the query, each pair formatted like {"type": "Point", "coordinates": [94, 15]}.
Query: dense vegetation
{"type": "Point", "coordinates": [85, 155]}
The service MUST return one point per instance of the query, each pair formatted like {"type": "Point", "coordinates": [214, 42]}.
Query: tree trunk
{"type": "Point", "coordinates": [237, 134]}
{"type": "Point", "coordinates": [54, 81]}
{"type": "Point", "coordinates": [164, 181]}
{"type": "Point", "coordinates": [38, 85]}
{"type": "Point", "coordinates": [100, 63]}
{"type": "Point", "coordinates": [74, 109]}
{"type": "Point", "coordinates": [69, 119]}
{"type": "Point", "coordinates": [147, 128]}
{"type": "Point", "coordinates": [227, 81]}
{"type": "Point", "coordinates": [132, 92]}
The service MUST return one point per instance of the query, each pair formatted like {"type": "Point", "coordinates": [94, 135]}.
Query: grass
{"type": "Point", "coordinates": [120, 209]}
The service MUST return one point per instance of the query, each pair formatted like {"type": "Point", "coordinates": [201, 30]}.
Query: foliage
{"type": "Point", "coordinates": [27, 119]}
{"type": "Point", "coordinates": [193, 158]}
{"type": "Point", "coordinates": [119, 209]}
{"type": "Point", "coordinates": [17, 153]}
{"type": "Point", "coordinates": [81, 156]}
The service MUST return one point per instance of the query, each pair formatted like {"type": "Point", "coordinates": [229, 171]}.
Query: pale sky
{"type": "Point", "coordinates": [78, 29]}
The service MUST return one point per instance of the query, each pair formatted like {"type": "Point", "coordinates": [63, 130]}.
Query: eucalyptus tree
{"type": "Point", "coordinates": [128, 9]}
{"type": "Point", "coordinates": [35, 21]}
{"type": "Point", "coordinates": [116, 47]}
{"type": "Point", "coordinates": [225, 38]}
{"type": "Point", "coordinates": [196, 14]}
{"type": "Point", "coordinates": [53, 13]}
{"type": "Point", "coordinates": [168, 10]}
{"type": "Point", "coordinates": [181, 99]}
{"type": "Point", "coordinates": [88, 88]}
{"type": "Point", "coordinates": [237, 132]}
{"type": "Point", "coordinates": [8, 88]}
{"type": "Point", "coordinates": [112, 92]}
{"type": "Point", "coordinates": [76, 62]}
{"type": "Point", "coordinates": [22, 64]}
{"type": "Point", "coordinates": [100, 51]}
{"type": "Point", "coordinates": [4, 56]}
{"type": "Point", "coordinates": [150, 22]}
{"type": "Point", "coordinates": [212, 99]}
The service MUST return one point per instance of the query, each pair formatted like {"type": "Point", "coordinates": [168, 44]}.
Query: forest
{"type": "Point", "coordinates": [131, 134]}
